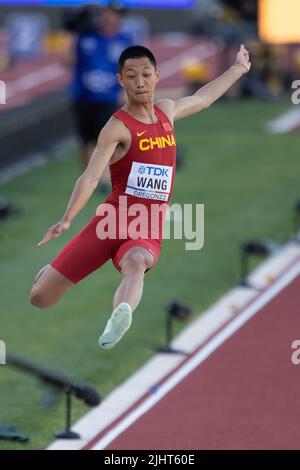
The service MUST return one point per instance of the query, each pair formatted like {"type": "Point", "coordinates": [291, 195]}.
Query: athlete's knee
{"type": "Point", "coordinates": [49, 289]}
{"type": "Point", "coordinates": [39, 299]}
{"type": "Point", "coordinates": [134, 264]}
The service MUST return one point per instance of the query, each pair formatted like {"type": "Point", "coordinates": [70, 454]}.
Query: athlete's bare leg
{"type": "Point", "coordinates": [128, 295]}
{"type": "Point", "coordinates": [40, 273]}
{"type": "Point", "coordinates": [133, 266]}
{"type": "Point", "coordinates": [48, 287]}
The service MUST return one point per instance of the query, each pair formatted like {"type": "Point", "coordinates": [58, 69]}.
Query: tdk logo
{"type": "Point", "coordinates": [154, 171]}
{"type": "Point", "coordinates": [142, 170]}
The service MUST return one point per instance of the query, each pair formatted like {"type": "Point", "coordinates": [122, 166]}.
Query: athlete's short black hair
{"type": "Point", "coordinates": [136, 52]}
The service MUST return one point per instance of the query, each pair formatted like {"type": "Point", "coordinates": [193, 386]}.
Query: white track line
{"type": "Point", "coordinates": [31, 80]}
{"type": "Point", "coordinates": [199, 357]}
{"type": "Point", "coordinates": [286, 122]}
{"type": "Point", "coordinates": [200, 330]}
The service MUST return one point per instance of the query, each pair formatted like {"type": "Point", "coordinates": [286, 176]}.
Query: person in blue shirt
{"type": "Point", "coordinates": [95, 92]}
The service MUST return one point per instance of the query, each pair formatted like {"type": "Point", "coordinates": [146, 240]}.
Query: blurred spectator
{"type": "Point", "coordinates": [232, 20]}
{"type": "Point", "coordinates": [95, 92]}
{"type": "Point", "coordinates": [205, 15]}
{"type": "Point", "coordinates": [26, 33]}
{"type": "Point", "coordinates": [268, 78]}
{"type": "Point", "coordinates": [246, 9]}
{"type": "Point", "coordinates": [137, 27]}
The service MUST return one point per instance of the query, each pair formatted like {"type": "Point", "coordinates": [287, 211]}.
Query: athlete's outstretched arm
{"type": "Point", "coordinates": [211, 92]}
{"type": "Point", "coordinates": [108, 139]}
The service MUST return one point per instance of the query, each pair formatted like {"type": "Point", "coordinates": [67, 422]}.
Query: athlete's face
{"type": "Point", "coordinates": [138, 78]}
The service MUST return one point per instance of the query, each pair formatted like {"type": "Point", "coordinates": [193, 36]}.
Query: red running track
{"type": "Point", "coordinates": [245, 395]}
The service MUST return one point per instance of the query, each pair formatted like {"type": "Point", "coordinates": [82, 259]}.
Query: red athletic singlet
{"type": "Point", "coordinates": [146, 173]}
{"type": "Point", "coordinates": [142, 183]}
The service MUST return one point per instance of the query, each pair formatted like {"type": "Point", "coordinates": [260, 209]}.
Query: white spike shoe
{"type": "Point", "coordinates": [116, 326]}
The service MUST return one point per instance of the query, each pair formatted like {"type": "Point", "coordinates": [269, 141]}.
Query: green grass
{"type": "Point", "coordinates": [248, 181]}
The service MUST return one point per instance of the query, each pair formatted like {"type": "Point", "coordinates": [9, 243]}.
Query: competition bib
{"type": "Point", "coordinates": [149, 181]}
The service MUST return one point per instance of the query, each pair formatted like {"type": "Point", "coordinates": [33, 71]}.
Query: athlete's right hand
{"type": "Point", "coordinates": [54, 232]}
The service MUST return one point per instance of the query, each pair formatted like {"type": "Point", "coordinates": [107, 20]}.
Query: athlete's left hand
{"type": "Point", "coordinates": [242, 58]}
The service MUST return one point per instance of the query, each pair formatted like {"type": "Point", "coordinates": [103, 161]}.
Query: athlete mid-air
{"type": "Point", "coordinates": [138, 143]}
